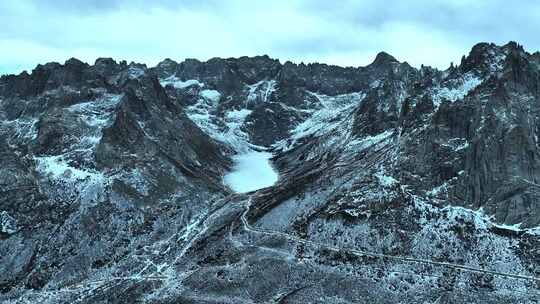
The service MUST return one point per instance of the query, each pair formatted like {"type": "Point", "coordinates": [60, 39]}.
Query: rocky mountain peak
{"type": "Point", "coordinates": [166, 68]}
{"type": "Point", "coordinates": [484, 58]}
{"type": "Point", "coordinates": [74, 63]}
{"type": "Point", "coordinates": [104, 61]}
{"type": "Point", "coordinates": [513, 45]}
{"type": "Point", "coordinates": [384, 58]}
{"type": "Point", "coordinates": [167, 63]}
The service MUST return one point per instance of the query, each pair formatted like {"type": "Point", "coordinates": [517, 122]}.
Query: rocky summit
{"type": "Point", "coordinates": [248, 180]}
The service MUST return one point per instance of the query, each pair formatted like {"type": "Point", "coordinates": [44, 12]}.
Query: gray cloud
{"type": "Point", "coordinates": [349, 33]}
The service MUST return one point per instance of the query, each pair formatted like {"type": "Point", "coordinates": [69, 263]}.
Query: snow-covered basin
{"type": "Point", "coordinates": [252, 171]}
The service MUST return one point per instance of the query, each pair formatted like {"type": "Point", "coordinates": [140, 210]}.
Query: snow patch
{"type": "Point", "coordinates": [438, 190]}
{"type": "Point", "coordinates": [456, 91]}
{"type": "Point", "coordinates": [87, 185]}
{"type": "Point", "coordinates": [375, 84]}
{"type": "Point", "coordinates": [135, 72]}
{"type": "Point", "coordinates": [180, 84]}
{"type": "Point", "coordinates": [332, 117]}
{"type": "Point", "coordinates": [97, 113]}
{"type": "Point", "coordinates": [8, 224]}
{"type": "Point", "coordinates": [24, 128]}
{"type": "Point", "coordinates": [56, 167]}
{"type": "Point", "coordinates": [136, 179]}
{"type": "Point", "coordinates": [368, 141]}
{"type": "Point", "coordinates": [252, 171]}
{"type": "Point", "coordinates": [211, 95]}
{"type": "Point", "coordinates": [497, 58]}
{"type": "Point", "coordinates": [238, 115]}
{"type": "Point", "coordinates": [261, 91]}
{"type": "Point", "coordinates": [515, 227]}
{"type": "Point", "coordinates": [385, 180]}
{"type": "Point", "coordinates": [533, 231]}
{"type": "Point", "coordinates": [229, 131]}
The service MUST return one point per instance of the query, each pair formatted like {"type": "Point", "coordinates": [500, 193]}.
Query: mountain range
{"type": "Point", "coordinates": [387, 183]}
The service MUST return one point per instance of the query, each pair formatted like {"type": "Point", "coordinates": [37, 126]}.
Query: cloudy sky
{"type": "Point", "coordinates": [344, 32]}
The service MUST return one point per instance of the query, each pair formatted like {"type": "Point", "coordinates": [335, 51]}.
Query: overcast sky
{"type": "Point", "coordinates": [344, 32]}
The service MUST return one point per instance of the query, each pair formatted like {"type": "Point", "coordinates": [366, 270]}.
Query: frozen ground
{"type": "Point", "coordinates": [252, 170]}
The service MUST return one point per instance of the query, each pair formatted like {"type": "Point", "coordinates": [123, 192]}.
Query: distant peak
{"type": "Point", "coordinates": [104, 61]}
{"type": "Point", "coordinates": [74, 62]}
{"type": "Point", "coordinates": [167, 62]}
{"type": "Point", "coordinates": [484, 58]}
{"type": "Point", "coordinates": [482, 49]}
{"type": "Point", "coordinates": [384, 58]}
{"type": "Point", "coordinates": [512, 45]}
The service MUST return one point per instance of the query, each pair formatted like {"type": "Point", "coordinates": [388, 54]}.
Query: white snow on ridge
{"type": "Point", "coordinates": [211, 95]}
{"type": "Point", "coordinates": [468, 83]}
{"type": "Point", "coordinates": [252, 171]}
{"type": "Point", "coordinates": [179, 84]}
{"type": "Point", "coordinates": [228, 129]}
{"type": "Point", "coordinates": [229, 133]}
{"type": "Point", "coordinates": [89, 185]}
{"type": "Point", "coordinates": [261, 90]}
{"type": "Point", "coordinates": [534, 231]}
{"type": "Point", "coordinates": [238, 115]}
{"type": "Point", "coordinates": [332, 116]}
{"type": "Point", "coordinates": [235, 136]}
{"type": "Point", "coordinates": [56, 167]}
{"type": "Point", "coordinates": [8, 224]}
{"type": "Point", "coordinates": [23, 127]}
{"type": "Point", "coordinates": [385, 180]}
{"type": "Point", "coordinates": [135, 72]}
{"type": "Point", "coordinates": [515, 227]}
{"type": "Point", "coordinates": [368, 141]}
{"type": "Point", "coordinates": [478, 217]}
{"type": "Point", "coordinates": [97, 113]}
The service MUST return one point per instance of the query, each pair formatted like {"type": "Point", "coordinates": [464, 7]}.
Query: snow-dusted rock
{"type": "Point", "coordinates": [8, 224]}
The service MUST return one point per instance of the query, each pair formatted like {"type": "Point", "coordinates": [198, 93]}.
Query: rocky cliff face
{"type": "Point", "coordinates": [396, 184]}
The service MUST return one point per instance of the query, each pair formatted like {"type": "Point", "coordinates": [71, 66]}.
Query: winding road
{"type": "Point", "coordinates": [250, 228]}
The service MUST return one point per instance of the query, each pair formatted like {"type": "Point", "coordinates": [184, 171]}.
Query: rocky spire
{"type": "Point", "coordinates": [384, 58]}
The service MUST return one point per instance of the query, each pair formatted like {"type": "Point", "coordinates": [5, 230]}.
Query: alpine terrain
{"type": "Point", "coordinates": [248, 180]}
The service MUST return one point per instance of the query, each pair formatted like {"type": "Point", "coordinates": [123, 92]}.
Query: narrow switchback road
{"type": "Point", "coordinates": [250, 228]}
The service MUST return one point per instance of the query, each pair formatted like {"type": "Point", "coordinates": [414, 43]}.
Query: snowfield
{"type": "Point", "coordinates": [252, 171]}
